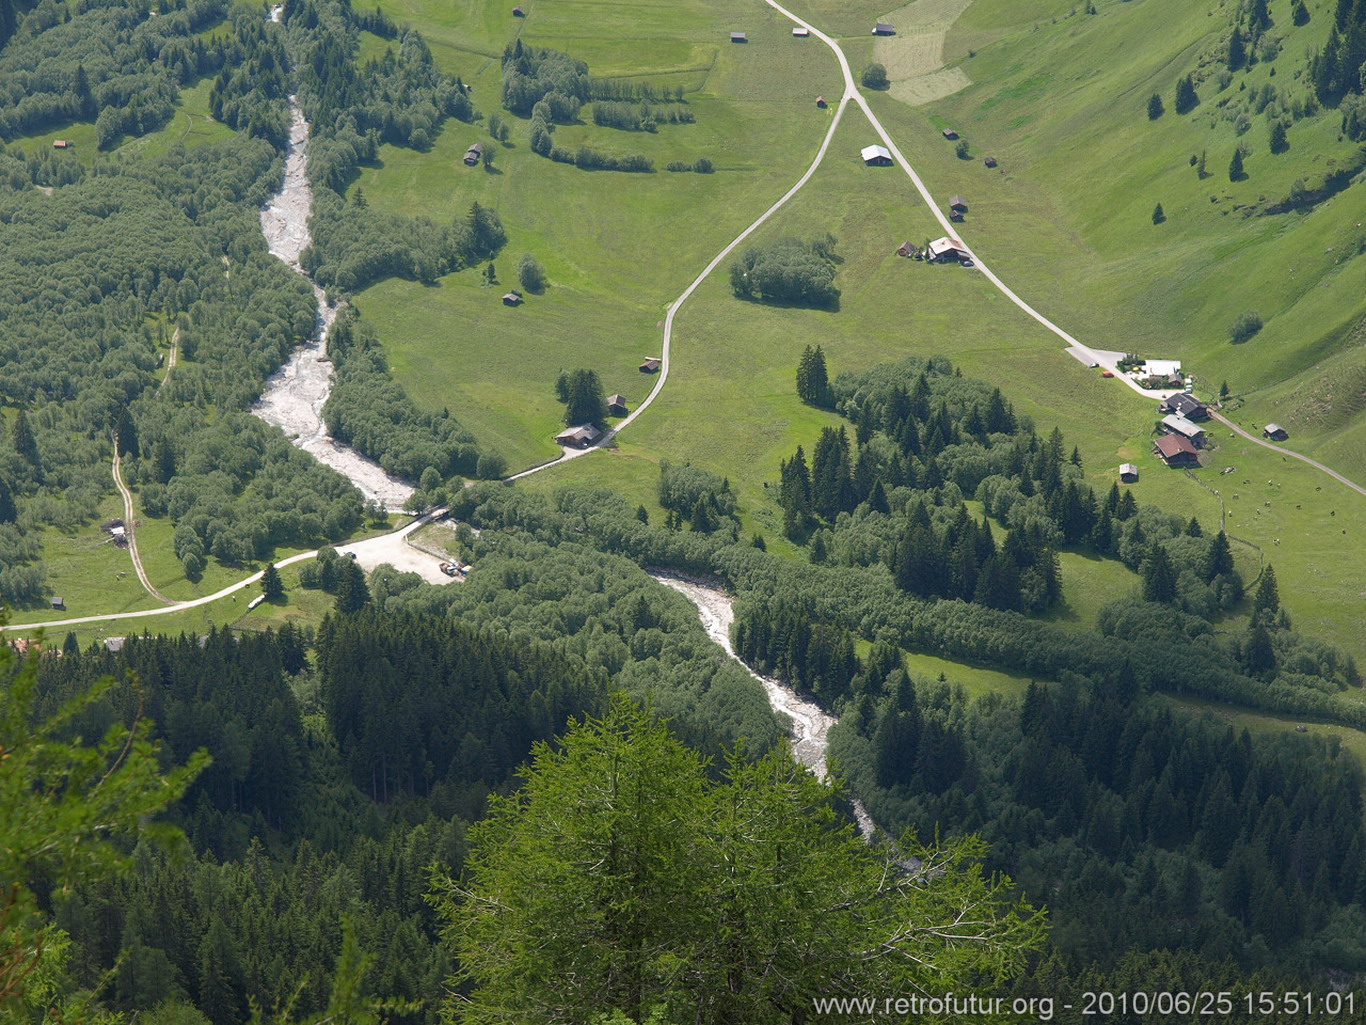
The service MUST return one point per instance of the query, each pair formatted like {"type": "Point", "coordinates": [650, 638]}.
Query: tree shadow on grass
{"type": "Point", "coordinates": [833, 306]}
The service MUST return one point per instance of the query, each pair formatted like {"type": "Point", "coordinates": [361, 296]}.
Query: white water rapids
{"type": "Point", "coordinates": [294, 395]}
{"type": "Point", "coordinates": [810, 723]}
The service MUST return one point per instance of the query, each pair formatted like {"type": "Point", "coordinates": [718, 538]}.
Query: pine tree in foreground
{"type": "Point", "coordinates": [623, 865]}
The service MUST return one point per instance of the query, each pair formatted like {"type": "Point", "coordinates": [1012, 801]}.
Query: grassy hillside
{"type": "Point", "coordinates": [617, 247]}
{"type": "Point", "coordinates": [1066, 219]}
{"type": "Point", "coordinates": [1060, 99]}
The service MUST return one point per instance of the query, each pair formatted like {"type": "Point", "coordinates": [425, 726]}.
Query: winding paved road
{"type": "Point", "coordinates": [851, 93]}
{"type": "Point", "coordinates": [181, 606]}
{"type": "Point", "coordinates": [1100, 357]}
{"type": "Point", "coordinates": [128, 532]}
{"type": "Point", "coordinates": [677, 304]}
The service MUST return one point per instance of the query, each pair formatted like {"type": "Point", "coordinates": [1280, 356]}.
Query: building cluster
{"type": "Point", "coordinates": [1182, 437]}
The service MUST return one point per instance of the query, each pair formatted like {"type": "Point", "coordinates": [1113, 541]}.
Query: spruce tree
{"type": "Point", "coordinates": [1235, 166]}
{"type": "Point", "coordinates": [1237, 49]}
{"type": "Point", "coordinates": [1158, 214]}
{"type": "Point", "coordinates": [1128, 505]}
{"type": "Point", "coordinates": [271, 584]}
{"type": "Point", "coordinates": [1267, 601]}
{"type": "Point", "coordinates": [896, 739]}
{"type": "Point", "coordinates": [877, 498]}
{"type": "Point", "coordinates": [8, 512]}
{"type": "Point", "coordinates": [1186, 97]}
{"type": "Point", "coordinates": [585, 404]}
{"type": "Point", "coordinates": [1159, 579]}
{"type": "Point", "coordinates": [24, 441]}
{"type": "Point", "coordinates": [1219, 559]}
{"type": "Point", "coordinates": [794, 492]}
{"type": "Point", "coordinates": [813, 383]}
{"type": "Point", "coordinates": [1278, 139]}
{"type": "Point", "coordinates": [1155, 107]}
{"type": "Point", "coordinates": [1260, 654]}
{"type": "Point", "coordinates": [831, 489]}
{"type": "Point", "coordinates": [352, 594]}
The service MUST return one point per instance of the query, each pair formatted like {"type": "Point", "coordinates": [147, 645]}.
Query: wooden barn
{"type": "Point", "coordinates": [518, 12]}
{"type": "Point", "coordinates": [1275, 432]}
{"type": "Point", "coordinates": [820, 102]}
{"type": "Point", "coordinates": [579, 437]}
{"type": "Point", "coordinates": [950, 134]}
{"type": "Point", "coordinates": [948, 249]}
{"type": "Point", "coordinates": [876, 156]}
{"type": "Point", "coordinates": [474, 154]}
{"type": "Point", "coordinates": [616, 405]}
{"type": "Point", "coordinates": [62, 144]}
{"type": "Point", "coordinates": [1128, 473]}
{"type": "Point", "coordinates": [958, 205]}
{"type": "Point", "coordinates": [1174, 423]}
{"type": "Point", "coordinates": [513, 298]}
{"type": "Point", "coordinates": [801, 33]}
{"type": "Point", "coordinates": [1174, 450]}
{"type": "Point", "coordinates": [883, 29]}
{"type": "Point", "coordinates": [739, 37]}
{"type": "Point", "coordinates": [651, 366]}
{"type": "Point", "coordinates": [989, 161]}
{"type": "Point", "coordinates": [1185, 404]}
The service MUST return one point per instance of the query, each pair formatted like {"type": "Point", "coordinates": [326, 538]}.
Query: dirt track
{"type": "Point", "coordinates": [129, 532]}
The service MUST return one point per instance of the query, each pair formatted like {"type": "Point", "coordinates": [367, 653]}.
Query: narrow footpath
{"type": "Point", "coordinates": [129, 531]}
{"type": "Point", "coordinates": [170, 360]}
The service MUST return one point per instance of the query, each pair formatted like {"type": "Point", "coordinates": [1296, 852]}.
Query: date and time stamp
{"type": "Point", "coordinates": [1196, 1006]}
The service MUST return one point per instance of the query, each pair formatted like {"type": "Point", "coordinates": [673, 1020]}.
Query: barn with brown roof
{"type": "Point", "coordinates": [1176, 450]}
{"type": "Point", "coordinates": [579, 437]}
